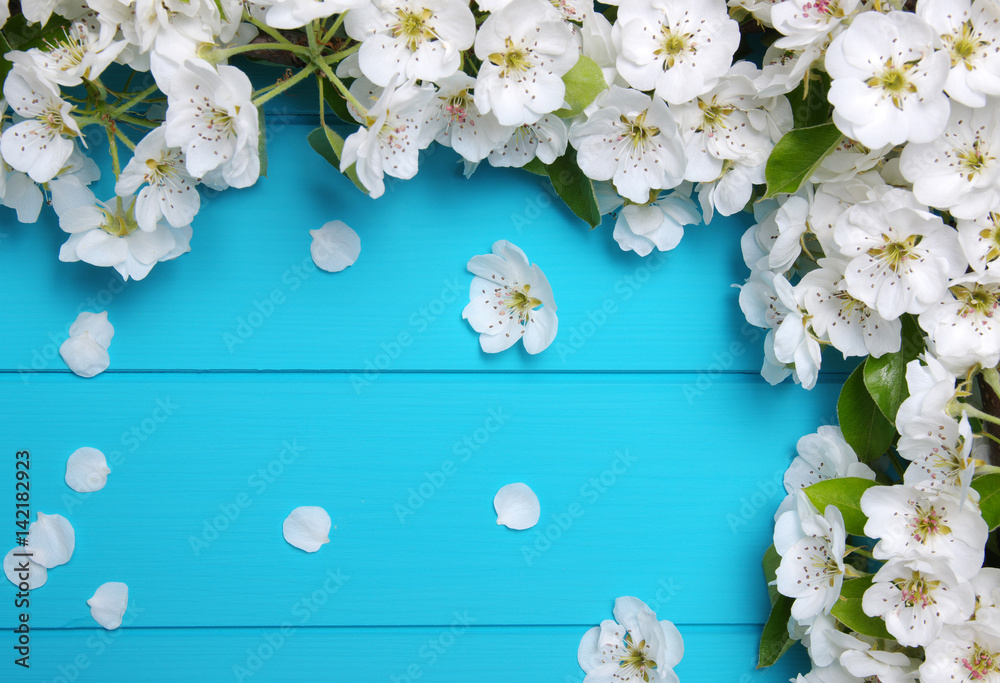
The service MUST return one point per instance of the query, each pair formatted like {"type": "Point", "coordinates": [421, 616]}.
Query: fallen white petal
{"type": "Point", "coordinates": [87, 470]}
{"type": "Point", "coordinates": [13, 568]}
{"type": "Point", "coordinates": [84, 355]}
{"type": "Point", "coordinates": [307, 527]}
{"type": "Point", "coordinates": [109, 604]}
{"type": "Point", "coordinates": [94, 324]}
{"type": "Point", "coordinates": [335, 246]}
{"type": "Point", "coordinates": [517, 506]}
{"type": "Point", "coordinates": [51, 540]}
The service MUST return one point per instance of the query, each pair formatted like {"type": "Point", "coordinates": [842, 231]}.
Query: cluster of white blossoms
{"type": "Point", "coordinates": [902, 216]}
{"type": "Point", "coordinates": [928, 585]}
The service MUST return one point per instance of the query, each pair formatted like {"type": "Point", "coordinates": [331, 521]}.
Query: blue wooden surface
{"type": "Point", "coordinates": [654, 446]}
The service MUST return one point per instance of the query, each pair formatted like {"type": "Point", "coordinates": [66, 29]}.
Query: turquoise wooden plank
{"type": "Point", "coordinates": [440, 654]}
{"type": "Point", "coordinates": [645, 489]}
{"type": "Point", "coordinates": [248, 296]}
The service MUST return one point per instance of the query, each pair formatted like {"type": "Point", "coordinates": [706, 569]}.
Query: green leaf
{"type": "Point", "coordinates": [811, 107]}
{"type": "Point", "coordinates": [797, 156]}
{"type": "Point", "coordinates": [584, 82]}
{"type": "Point", "coordinates": [771, 561]}
{"type": "Point", "coordinates": [536, 166]}
{"type": "Point", "coordinates": [864, 426]}
{"type": "Point", "coordinates": [845, 494]}
{"type": "Point", "coordinates": [989, 498]}
{"type": "Point", "coordinates": [336, 101]}
{"type": "Point", "coordinates": [330, 146]}
{"type": "Point", "coordinates": [21, 35]}
{"type": "Point", "coordinates": [774, 639]}
{"type": "Point", "coordinates": [5, 66]}
{"type": "Point", "coordinates": [885, 377]}
{"type": "Point", "coordinates": [848, 609]}
{"type": "Point", "coordinates": [261, 140]}
{"type": "Point", "coordinates": [574, 188]}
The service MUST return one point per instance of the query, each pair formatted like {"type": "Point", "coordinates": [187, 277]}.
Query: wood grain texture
{"type": "Point", "coordinates": [437, 654]}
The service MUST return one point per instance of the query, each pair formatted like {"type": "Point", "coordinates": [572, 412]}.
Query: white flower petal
{"type": "Point", "coordinates": [14, 568]}
{"type": "Point", "coordinates": [517, 506]}
{"type": "Point", "coordinates": [109, 604]}
{"type": "Point", "coordinates": [335, 246]}
{"type": "Point", "coordinates": [84, 355]}
{"type": "Point", "coordinates": [51, 540]}
{"type": "Point", "coordinates": [96, 325]}
{"type": "Point", "coordinates": [87, 470]}
{"type": "Point", "coordinates": [307, 528]}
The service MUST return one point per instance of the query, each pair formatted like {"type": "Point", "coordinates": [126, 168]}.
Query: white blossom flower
{"type": "Point", "coordinates": [970, 31]}
{"type": "Point", "coordinates": [812, 569]}
{"type": "Point", "coordinates": [959, 170]}
{"type": "Point", "coordinates": [525, 49]}
{"type": "Point", "coordinates": [901, 256]}
{"type": "Point", "coordinates": [980, 241]}
{"type": "Point", "coordinates": [84, 49]}
{"type": "Point", "coordinates": [940, 452]}
{"type": "Point", "coordinates": [677, 47]}
{"type": "Point", "coordinates": [868, 663]}
{"type": "Point", "coordinates": [632, 140]}
{"type": "Point", "coordinates": [926, 525]}
{"type": "Point", "coordinates": [86, 350]}
{"type": "Point", "coordinates": [411, 39]}
{"type": "Point", "coordinates": [888, 80]}
{"type": "Point", "coordinates": [917, 602]}
{"type": "Point", "coordinates": [199, 20]}
{"type": "Point", "coordinates": [17, 191]}
{"type": "Point", "coordinates": [4, 13]}
{"type": "Point", "coordinates": [107, 234]}
{"type": "Point", "coordinates": [965, 653]}
{"type": "Point", "coordinates": [211, 118]}
{"type": "Point", "coordinates": [391, 138]}
{"type": "Point", "coordinates": [658, 224]}
{"type": "Point", "coordinates": [40, 11]}
{"type": "Point", "coordinates": [730, 192]}
{"type": "Point", "coordinates": [760, 9]}
{"type": "Point", "coordinates": [597, 43]}
{"type": "Point", "coordinates": [545, 139]}
{"type": "Point", "coordinates": [454, 121]}
{"type": "Point", "coordinates": [853, 327]}
{"type": "Point", "coordinates": [69, 189]}
{"type": "Point", "coordinates": [510, 299]}
{"type": "Point", "coordinates": [290, 14]}
{"type": "Point", "coordinates": [169, 192]}
{"type": "Point", "coordinates": [931, 388]}
{"type": "Point", "coordinates": [804, 23]}
{"type": "Point", "coordinates": [40, 145]}
{"type": "Point", "coordinates": [634, 647]}
{"type": "Point", "coordinates": [961, 326]}
{"type": "Point", "coordinates": [847, 160]}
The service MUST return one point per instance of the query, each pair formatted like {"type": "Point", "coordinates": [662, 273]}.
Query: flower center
{"type": "Point", "coordinates": [895, 254]}
{"type": "Point", "coordinates": [894, 82]}
{"type": "Point", "coordinates": [119, 224]}
{"type": "Point", "coordinates": [673, 43]}
{"type": "Point", "coordinates": [165, 167]}
{"type": "Point", "coordinates": [413, 28]}
{"type": "Point", "coordinates": [713, 116]}
{"type": "Point", "coordinates": [981, 663]}
{"type": "Point", "coordinates": [916, 592]}
{"type": "Point", "coordinates": [965, 45]}
{"type": "Point", "coordinates": [519, 301]}
{"type": "Point", "coordinates": [978, 301]}
{"type": "Point", "coordinates": [992, 235]}
{"type": "Point", "coordinates": [635, 661]}
{"type": "Point", "coordinates": [513, 60]}
{"type": "Point", "coordinates": [636, 131]}
{"type": "Point", "coordinates": [457, 107]}
{"type": "Point", "coordinates": [973, 160]}
{"type": "Point", "coordinates": [926, 523]}
{"type": "Point", "coordinates": [221, 120]}
{"type": "Point", "coordinates": [52, 117]}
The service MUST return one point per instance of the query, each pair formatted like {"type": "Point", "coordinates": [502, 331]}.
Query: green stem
{"type": "Point", "coordinates": [135, 121]}
{"type": "Point", "coordinates": [975, 412]}
{"type": "Point", "coordinates": [113, 149]}
{"type": "Point", "coordinates": [322, 102]}
{"type": "Point", "coordinates": [333, 29]}
{"type": "Point", "coordinates": [362, 111]}
{"type": "Point", "coordinates": [219, 54]}
{"type": "Point", "coordinates": [896, 466]}
{"type": "Point", "coordinates": [122, 108]}
{"type": "Point", "coordinates": [268, 30]}
{"type": "Point", "coordinates": [124, 138]}
{"type": "Point", "coordinates": [283, 86]}
{"type": "Point", "coordinates": [339, 56]}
